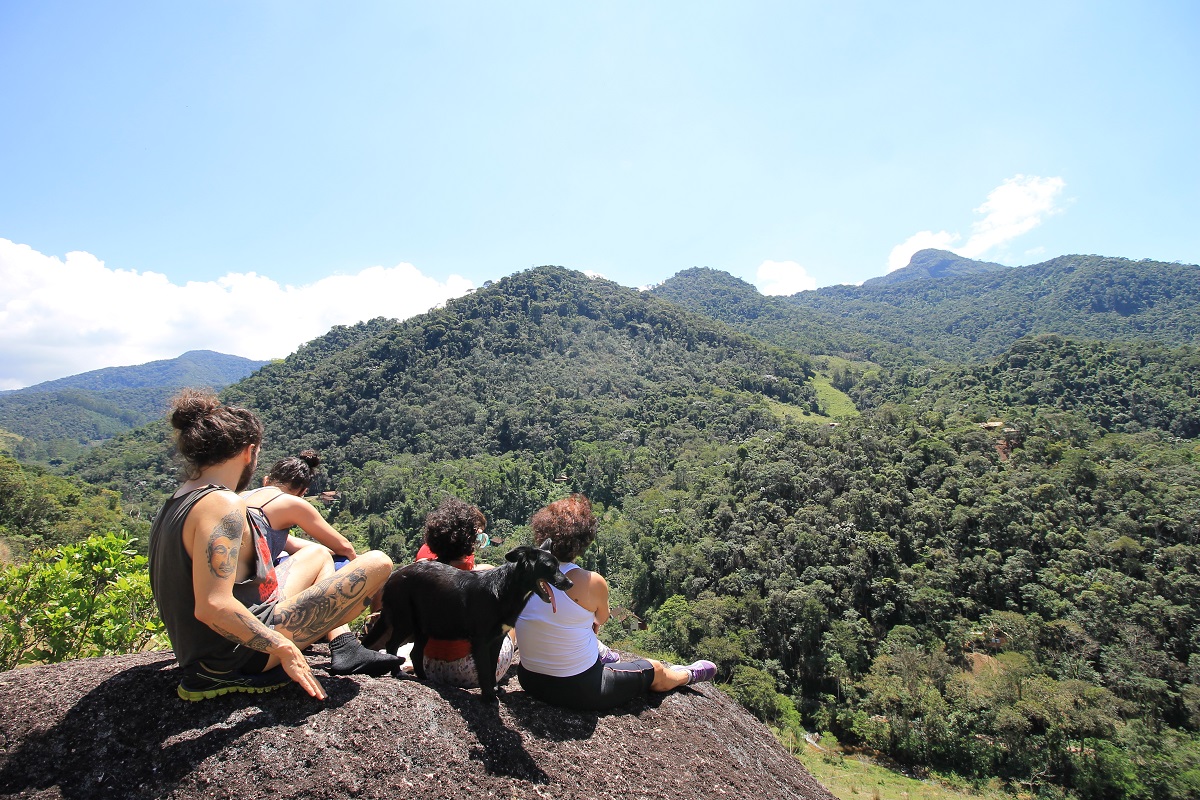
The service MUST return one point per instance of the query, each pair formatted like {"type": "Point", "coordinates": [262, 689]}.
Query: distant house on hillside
{"type": "Point", "coordinates": [627, 619]}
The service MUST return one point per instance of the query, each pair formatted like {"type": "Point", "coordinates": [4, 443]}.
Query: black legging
{"type": "Point", "coordinates": [600, 687]}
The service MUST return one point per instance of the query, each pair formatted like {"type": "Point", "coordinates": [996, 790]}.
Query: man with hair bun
{"type": "Point", "coordinates": [215, 585]}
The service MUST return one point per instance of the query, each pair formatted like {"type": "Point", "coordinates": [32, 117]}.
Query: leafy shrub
{"type": "Point", "coordinates": [75, 601]}
{"type": "Point", "coordinates": [756, 691]}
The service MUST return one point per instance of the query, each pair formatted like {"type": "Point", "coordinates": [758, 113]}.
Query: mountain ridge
{"type": "Point", "coordinates": [56, 419]}
{"type": "Point", "coordinates": [935, 264]}
{"type": "Point", "coordinates": [194, 367]}
{"type": "Point", "coordinates": [970, 317]}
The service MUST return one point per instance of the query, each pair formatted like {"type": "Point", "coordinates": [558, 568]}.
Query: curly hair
{"type": "Point", "coordinates": [207, 432]}
{"type": "Point", "coordinates": [295, 472]}
{"type": "Point", "coordinates": [569, 525]}
{"type": "Point", "coordinates": [450, 529]}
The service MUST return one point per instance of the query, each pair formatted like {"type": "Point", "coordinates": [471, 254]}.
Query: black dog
{"type": "Point", "coordinates": [432, 600]}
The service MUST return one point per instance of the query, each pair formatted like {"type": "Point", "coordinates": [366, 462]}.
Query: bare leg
{"type": "Point", "coordinates": [310, 565]}
{"type": "Point", "coordinates": [667, 677]}
{"type": "Point", "coordinates": [331, 602]}
{"type": "Point", "coordinates": [306, 567]}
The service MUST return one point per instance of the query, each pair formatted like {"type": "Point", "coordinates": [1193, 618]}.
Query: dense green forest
{"type": "Point", "coordinates": [967, 318]}
{"type": "Point", "coordinates": [56, 421]}
{"type": "Point", "coordinates": [41, 510]}
{"type": "Point", "coordinates": [991, 569]}
{"type": "Point", "coordinates": [737, 303]}
{"type": "Point", "coordinates": [540, 362]}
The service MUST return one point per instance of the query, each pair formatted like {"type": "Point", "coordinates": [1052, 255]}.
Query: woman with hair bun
{"type": "Point", "coordinates": [279, 505]}
{"type": "Point", "coordinates": [562, 662]}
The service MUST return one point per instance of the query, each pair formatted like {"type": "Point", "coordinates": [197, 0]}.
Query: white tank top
{"type": "Point", "coordinates": [559, 643]}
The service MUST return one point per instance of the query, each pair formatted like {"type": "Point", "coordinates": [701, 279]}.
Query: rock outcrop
{"type": "Point", "coordinates": [113, 728]}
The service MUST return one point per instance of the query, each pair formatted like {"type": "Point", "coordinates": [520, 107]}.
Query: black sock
{"type": "Point", "coordinates": [348, 657]}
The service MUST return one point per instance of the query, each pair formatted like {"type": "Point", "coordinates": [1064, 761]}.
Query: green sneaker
{"type": "Point", "coordinates": [204, 684]}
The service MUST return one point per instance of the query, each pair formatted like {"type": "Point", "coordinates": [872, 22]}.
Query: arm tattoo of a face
{"type": "Point", "coordinates": [314, 615]}
{"type": "Point", "coordinates": [224, 543]}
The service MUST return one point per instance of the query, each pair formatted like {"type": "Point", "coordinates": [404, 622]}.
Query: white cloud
{"type": "Point", "coordinates": [1013, 208]}
{"type": "Point", "coordinates": [62, 317]}
{"type": "Point", "coordinates": [783, 277]}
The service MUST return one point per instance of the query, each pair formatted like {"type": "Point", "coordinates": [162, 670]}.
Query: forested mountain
{"type": "Point", "coordinates": [973, 317]}
{"type": "Point", "coordinates": [934, 264]}
{"type": "Point", "coordinates": [57, 418]}
{"type": "Point", "coordinates": [992, 570]}
{"type": "Point", "coordinates": [193, 368]}
{"type": "Point", "coordinates": [737, 303]}
{"type": "Point", "coordinates": [960, 317]}
{"type": "Point", "coordinates": [546, 366]}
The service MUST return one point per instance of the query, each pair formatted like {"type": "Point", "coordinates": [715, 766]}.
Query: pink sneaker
{"type": "Point", "coordinates": [608, 655]}
{"type": "Point", "coordinates": [701, 671]}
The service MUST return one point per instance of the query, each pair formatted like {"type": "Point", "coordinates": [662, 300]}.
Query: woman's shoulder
{"type": "Point", "coordinates": [261, 493]}
{"type": "Point", "coordinates": [581, 576]}
{"type": "Point", "coordinates": [269, 496]}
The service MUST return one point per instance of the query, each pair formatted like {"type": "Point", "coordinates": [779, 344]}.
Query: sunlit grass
{"type": "Point", "coordinates": [8, 441]}
{"type": "Point", "coordinates": [835, 402]}
{"type": "Point", "coordinates": [856, 777]}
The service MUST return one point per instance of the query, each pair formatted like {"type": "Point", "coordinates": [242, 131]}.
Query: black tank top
{"type": "Point", "coordinates": [171, 583]}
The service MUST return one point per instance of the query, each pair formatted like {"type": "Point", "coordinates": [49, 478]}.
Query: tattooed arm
{"type": "Point", "coordinates": [221, 550]}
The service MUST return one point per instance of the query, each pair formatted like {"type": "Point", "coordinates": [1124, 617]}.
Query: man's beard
{"type": "Point", "coordinates": [247, 474]}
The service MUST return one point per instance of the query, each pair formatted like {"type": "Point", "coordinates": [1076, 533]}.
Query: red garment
{"type": "Point", "coordinates": [447, 649]}
{"type": "Point", "coordinates": [425, 554]}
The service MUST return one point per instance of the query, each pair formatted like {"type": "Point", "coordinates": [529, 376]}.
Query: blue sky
{"type": "Point", "coordinates": [170, 170]}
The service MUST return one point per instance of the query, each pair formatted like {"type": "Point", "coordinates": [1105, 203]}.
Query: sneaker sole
{"type": "Point", "coordinates": [208, 694]}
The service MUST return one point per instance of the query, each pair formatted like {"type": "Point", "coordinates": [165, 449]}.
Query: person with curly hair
{"type": "Point", "coordinates": [212, 577]}
{"type": "Point", "coordinates": [452, 531]}
{"type": "Point", "coordinates": [561, 661]}
{"type": "Point", "coordinates": [448, 536]}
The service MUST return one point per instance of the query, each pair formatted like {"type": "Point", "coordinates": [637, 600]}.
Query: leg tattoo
{"type": "Point", "coordinates": [320, 609]}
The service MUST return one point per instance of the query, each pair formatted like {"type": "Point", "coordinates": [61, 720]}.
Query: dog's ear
{"type": "Point", "coordinates": [513, 555]}
{"type": "Point", "coordinates": [545, 546]}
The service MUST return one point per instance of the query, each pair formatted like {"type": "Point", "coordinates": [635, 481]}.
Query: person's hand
{"type": "Point", "coordinates": [296, 666]}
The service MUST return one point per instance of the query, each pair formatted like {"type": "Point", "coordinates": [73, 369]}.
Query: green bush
{"type": "Point", "coordinates": [756, 691]}
{"type": "Point", "coordinates": [75, 601]}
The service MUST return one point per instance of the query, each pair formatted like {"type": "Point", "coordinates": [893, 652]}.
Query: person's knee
{"type": "Point", "coordinates": [316, 556]}
{"type": "Point", "coordinates": [376, 564]}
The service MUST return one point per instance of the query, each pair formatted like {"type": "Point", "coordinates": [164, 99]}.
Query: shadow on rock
{"type": "Point", "coordinates": [132, 737]}
{"type": "Point", "coordinates": [500, 749]}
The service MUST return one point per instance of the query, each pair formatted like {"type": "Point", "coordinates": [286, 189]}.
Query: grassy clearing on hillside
{"type": "Point", "coordinates": [854, 777]}
{"type": "Point", "coordinates": [836, 403]}
{"type": "Point", "coordinates": [8, 441]}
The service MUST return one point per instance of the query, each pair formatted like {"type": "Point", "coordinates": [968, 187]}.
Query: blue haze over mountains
{"type": "Point", "coordinates": [82, 409]}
